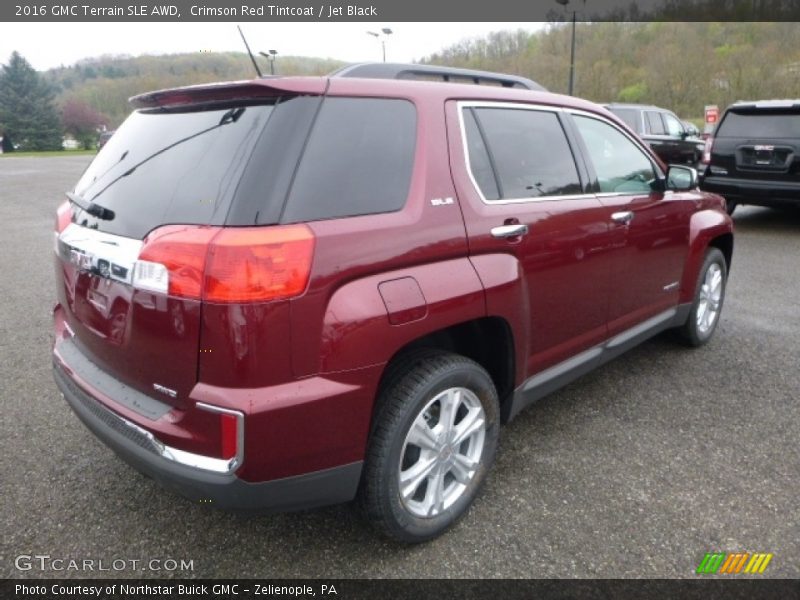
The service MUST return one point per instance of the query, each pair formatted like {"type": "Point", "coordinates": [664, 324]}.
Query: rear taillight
{"type": "Point", "coordinates": [63, 218]}
{"type": "Point", "coordinates": [247, 264]}
{"type": "Point", "coordinates": [173, 260]}
{"type": "Point", "coordinates": [707, 150]}
{"type": "Point", "coordinates": [252, 264]}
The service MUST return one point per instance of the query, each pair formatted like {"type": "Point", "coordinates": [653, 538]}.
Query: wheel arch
{"type": "Point", "coordinates": [489, 341]}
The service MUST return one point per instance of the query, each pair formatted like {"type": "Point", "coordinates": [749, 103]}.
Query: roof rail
{"type": "Point", "coordinates": [435, 73]}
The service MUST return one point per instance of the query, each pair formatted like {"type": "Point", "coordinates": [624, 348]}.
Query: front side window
{"type": "Point", "coordinates": [528, 151]}
{"type": "Point", "coordinates": [674, 127]}
{"type": "Point", "coordinates": [620, 165]}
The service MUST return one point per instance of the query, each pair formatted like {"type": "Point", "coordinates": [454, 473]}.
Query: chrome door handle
{"type": "Point", "coordinates": [623, 217]}
{"type": "Point", "coordinates": [509, 231]}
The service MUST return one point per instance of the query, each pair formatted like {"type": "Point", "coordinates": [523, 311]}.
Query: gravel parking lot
{"type": "Point", "coordinates": [636, 470]}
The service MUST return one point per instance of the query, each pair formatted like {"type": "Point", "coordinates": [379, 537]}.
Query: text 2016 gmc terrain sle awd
{"type": "Point", "coordinates": [291, 292]}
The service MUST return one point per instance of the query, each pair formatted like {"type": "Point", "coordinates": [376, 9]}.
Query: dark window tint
{"type": "Point", "coordinates": [168, 167]}
{"type": "Point", "coordinates": [479, 162]}
{"type": "Point", "coordinates": [530, 152]}
{"type": "Point", "coordinates": [654, 123]}
{"type": "Point", "coordinates": [620, 165]}
{"type": "Point", "coordinates": [783, 124]}
{"type": "Point", "coordinates": [358, 160]}
{"type": "Point", "coordinates": [630, 116]}
{"type": "Point", "coordinates": [265, 182]}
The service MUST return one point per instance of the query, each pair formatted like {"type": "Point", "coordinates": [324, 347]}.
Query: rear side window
{"type": "Point", "coordinates": [529, 151]}
{"type": "Point", "coordinates": [777, 124]}
{"type": "Point", "coordinates": [479, 162]}
{"type": "Point", "coordinates": [630, 116]}
{"type": "Point", "coordinates": [357, 161]}
{"type": "Point", "coordinates": [654, 123]}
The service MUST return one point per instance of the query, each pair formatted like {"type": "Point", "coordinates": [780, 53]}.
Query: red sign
{"type": "Point", "coordinates": [712, 113]}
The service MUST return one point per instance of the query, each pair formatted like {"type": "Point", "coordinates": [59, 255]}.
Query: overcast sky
{"type": "Point", "coordinates": [47, 45]}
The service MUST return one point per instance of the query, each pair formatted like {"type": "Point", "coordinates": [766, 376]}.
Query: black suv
{"type": "Point", "coordinates": [753, 156]}
{"type": "Point", "coordinates": [663, 131]}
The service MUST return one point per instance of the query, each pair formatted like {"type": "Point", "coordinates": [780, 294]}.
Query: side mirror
{"type": "Point", "coordinates": [680, 178]}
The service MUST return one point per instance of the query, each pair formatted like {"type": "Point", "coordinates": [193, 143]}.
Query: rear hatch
{"type": "Point", "coordinates": [172, 165]}
{"type": "Point", "coordinates": [758, 142]}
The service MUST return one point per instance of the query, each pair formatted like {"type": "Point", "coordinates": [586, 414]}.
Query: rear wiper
{"type": "Point", "coordinates": [101, 212]}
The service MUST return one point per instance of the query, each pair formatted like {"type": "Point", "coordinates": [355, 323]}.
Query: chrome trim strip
{"type": "Point", "coordinates": [236, 461]}
{"type": "Point", "coordinates": [190, 459]}
{"type": "Point", "coordinates": [461, 105]}
{"type": "Point", "coordinates": [643, 327]}
{"type": "Point", "coordinates": [563, 367]}
{"type": "Point", "coordinates": [103, 254]}
{"type": "Point", "coordinates": [545, 382]}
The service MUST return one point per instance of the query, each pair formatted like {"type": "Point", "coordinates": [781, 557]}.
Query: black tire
{"type": "Point", "coordinates": [409, 390]}
{"type": "Point", "coordinates": [692, 332]}
{"type": "Point", "coordinates": [730, 206]}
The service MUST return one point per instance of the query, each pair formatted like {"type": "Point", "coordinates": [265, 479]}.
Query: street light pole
{"type": "Point", "coordinates": [271, 58]}
{"type": "Point", "coordinates": [572, 57]}
{"type": "Point", "coordinates": [385, 33]}
{"type": "Point", "coordinates": [571, 87]}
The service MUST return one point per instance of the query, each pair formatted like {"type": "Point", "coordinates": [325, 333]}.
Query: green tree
{"type": "Point", "coordinates": [28, 115]}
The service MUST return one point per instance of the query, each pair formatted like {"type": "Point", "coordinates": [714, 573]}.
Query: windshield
{"type": "Point", "coordinates": [170, 167]}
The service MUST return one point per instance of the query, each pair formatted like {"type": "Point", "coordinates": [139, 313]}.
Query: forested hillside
{"type": "Point", "coordinates": [106, 83]}
{"type": "Point", "coordinates": [682, 66]}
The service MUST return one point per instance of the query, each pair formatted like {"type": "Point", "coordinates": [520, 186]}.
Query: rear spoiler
{"type": "Point", "coordinates": [230, 91]}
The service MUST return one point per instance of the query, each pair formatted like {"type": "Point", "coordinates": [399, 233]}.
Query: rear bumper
{"type": "Point", "coordinates": [754, 191]}
{"type": "Point", "coordinates": [329, 486]}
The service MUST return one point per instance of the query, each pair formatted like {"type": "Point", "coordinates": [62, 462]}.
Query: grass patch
{"type": "Point", "coordinates": [47, 154]}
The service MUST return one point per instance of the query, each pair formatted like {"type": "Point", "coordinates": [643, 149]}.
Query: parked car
{"type": "Point", "coordinates": [668, 136]}
{"type": "Point", "coordinates": [103, 138]}
{"type": "Point", "coordinates": [754, 154]}
{"type": "Point", "coordinates": [336, 287]}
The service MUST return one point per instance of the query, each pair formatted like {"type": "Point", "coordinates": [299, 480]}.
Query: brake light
{"type": "Point", "coordinates": [63, 216]}
{"type": "Point", "coordinates": [707, 150]}
{"type": "Point", "coordinates": [229, 427]}
{"type": "Point", "coordinates": [232, 264]}
{"type": "Point", "coordinates": [173, 259]}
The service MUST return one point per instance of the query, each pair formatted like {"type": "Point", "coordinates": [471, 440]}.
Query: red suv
{"type": "Point", "coordinates": [291, 292]}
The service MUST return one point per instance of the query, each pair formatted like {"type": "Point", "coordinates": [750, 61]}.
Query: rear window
{"type": "Point", "coordinates": [167, 167]}
{"type": "Point", "coordinates": [654, 123]}
{"type": "Point", "coordinates": [775, 124]}
{"type": "Point", "coordinates": [629, 116]}
{"type": "Point", "coordinates": [258, 164]}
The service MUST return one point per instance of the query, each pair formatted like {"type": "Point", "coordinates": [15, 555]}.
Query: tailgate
{"type": "Point", "coordinates": [146, 340]}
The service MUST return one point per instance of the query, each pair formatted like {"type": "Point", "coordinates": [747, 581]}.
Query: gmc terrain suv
{"type": "Point", "coordinates": [669, 137]}
{"type": "Point", "coordinates": [291, 292]}
{"type": "Point", "coordinates": [754, 156]}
